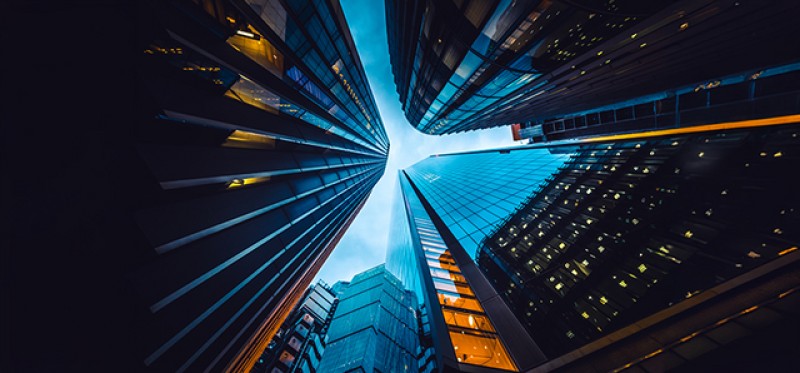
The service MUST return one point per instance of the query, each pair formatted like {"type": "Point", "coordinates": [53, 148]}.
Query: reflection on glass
{"type": "Point", "coordinates": [480, 349]}
{"type": "Point", "coordinates": [247, 91]}
{"type": "Point", "coordinates": [471, 333]}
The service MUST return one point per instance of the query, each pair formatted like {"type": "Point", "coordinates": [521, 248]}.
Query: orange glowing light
{"type": "Point", "coordinates": [785, 119]}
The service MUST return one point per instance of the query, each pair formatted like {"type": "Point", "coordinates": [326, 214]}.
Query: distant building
{"type": "Point", "coordinates": [195, 166]}
{"type": "Point", "coordinates": [339, 287]}
{"type": "Point", "coordinates": [658, 253]}
{"type": "Point", "coordinates": [300, 342]}
{"type": "Point", "coordinates": [466, 65]}
{"type": "Point", "coordinates": [374, 328]}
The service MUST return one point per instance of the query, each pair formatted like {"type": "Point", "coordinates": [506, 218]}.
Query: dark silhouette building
{"type": "Point", "coordinates": [465, 65]}
{"type": "Point", "coordinates": [659, 252]}
{"type": "Point", "coordinates": [182, 169]}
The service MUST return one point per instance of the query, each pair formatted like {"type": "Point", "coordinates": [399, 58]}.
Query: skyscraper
{"type": "Point", "coordinates": [202, 160]}
{"type": "Point", "coordinates": [374, 328]}
{"type": "Point", "coordinates": [660, 252]}
{"type": "Point", "coordinates": [447, 204]}
{"type": "Point", "coordinates": [464, 65]}
{"type": "Point", "coordinates": [300, 342]}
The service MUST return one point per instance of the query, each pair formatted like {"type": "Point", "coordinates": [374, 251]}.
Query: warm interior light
{"type": "Point", "coordinates": [248, 34]}
{"type": "Point", "coordinates": [785, 119]}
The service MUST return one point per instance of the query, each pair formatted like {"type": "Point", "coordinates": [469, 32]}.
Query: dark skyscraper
{"type": "Point", "coordinates": [195, 166]}
{"type": "Point", "coordinates": [660, 252]}
{"type": "Point", "coordinates": [464, 65]}
{"type": "Point", "coordinates": [374, 328]}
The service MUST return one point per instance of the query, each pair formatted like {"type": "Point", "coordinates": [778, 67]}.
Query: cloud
{"type": "Point", "coordinates": [364, 244]}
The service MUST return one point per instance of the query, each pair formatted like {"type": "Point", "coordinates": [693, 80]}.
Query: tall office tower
{"type": "Point", "coordinates": [464, 65]}
{"type": "Point", "coordinates": [300, 342]}
{"type": "Point", "coordinates": [660, 252]}
{"type": "Point", "coordinates": [202, 159]}
{"type": "Point", "coordinates": [447, 205]}
{"type": "Point", "coordinates": [374, 328]}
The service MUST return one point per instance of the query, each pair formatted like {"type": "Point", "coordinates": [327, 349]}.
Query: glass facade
{"type": "Point", "coordinates": [474, 340]}
{"type": "Point", "coordinates": [457, 329]}
{"type": "Point", "coordinates": [630, 230]}
{"type": "Point", "coordinates": [474, 192]}
{"type": "Point", "coordinates": [374, 328]}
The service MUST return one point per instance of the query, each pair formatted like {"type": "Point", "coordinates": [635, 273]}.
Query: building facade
{"type": "Point", "coordinates": [474, 191]}
{"type": "Point", "coordinates": [206, 157]}
{"type": "Point", "coordinates": [374, 328]}
{"type": "Point", "coordinates": [465, 65]}
{"type": "Point", "coordinates": [300, 342]}
{"type": "Point", "coordinates": [659, 252]}
{"type": "Point", "coordinates": [446, 205]}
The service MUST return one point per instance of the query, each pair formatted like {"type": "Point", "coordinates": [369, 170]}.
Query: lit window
{"type": "Point", "coordinates": [237, 183]}
{"type": "Point", "coordinates": [249, 140]}
{"type": "Point", "coordinates": [286, 358]}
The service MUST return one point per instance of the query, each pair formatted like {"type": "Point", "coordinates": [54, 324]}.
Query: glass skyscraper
{"type": "Point", "coordinates": [374, 328]}
{"type": "Point", "coordinates": [202, 158]}
{"type": "Point", "coordinates": [447, 204]}
{"type": "Point", "coordinates": [464, 65]}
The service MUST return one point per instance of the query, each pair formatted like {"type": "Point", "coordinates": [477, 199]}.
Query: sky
{"type": "Point", "coordinates": [364, 244]}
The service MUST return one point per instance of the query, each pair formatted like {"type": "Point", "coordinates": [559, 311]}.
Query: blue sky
{"type": "Point", "coordinates": [364, 244]}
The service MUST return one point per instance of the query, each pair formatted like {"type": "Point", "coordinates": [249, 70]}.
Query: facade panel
{"type": "Point", "coordinates": [473, 192]}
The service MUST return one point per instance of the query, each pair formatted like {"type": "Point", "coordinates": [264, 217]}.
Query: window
{"type": "Point", "coordinates": [286, 358]}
